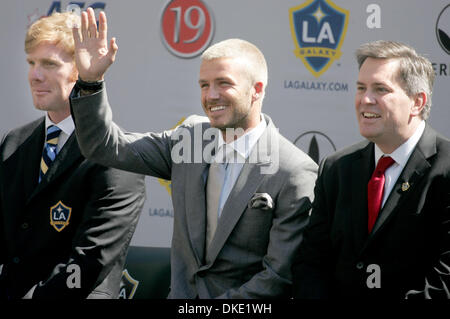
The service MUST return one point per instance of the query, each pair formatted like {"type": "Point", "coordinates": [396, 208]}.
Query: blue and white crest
{"type": "Point", "coordinates": [60, 216]}
{"type": "Point", "coordinates": [318, 29]}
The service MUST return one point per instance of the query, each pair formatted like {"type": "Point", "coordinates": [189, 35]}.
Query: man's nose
{"type": "Point", "coordinates": [36, 73]}
{"type": "Point", "coordinates": [213, 93]}
{"type": "Point", "coordinates": [368, 98]}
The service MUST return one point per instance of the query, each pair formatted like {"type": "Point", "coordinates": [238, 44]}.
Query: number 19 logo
{"type": "Point", "coordinates": [187, 27]}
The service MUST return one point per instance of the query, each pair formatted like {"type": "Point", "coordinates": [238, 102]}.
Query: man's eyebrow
{"type": "Point", "coordinates": [215, 79]}
{"type": "Point", "coordinates": [49, 60]}
{"type": "Point", "coordinates": [43, 60]}
{"type": "Point", "coordinates": [376, 83]}
{"type": "Point", "coordinates": [381, 83]}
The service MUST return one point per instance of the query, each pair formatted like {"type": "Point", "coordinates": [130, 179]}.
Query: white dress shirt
{"type": "Point", "coordinates": [67, 126]}
{"type": "Point", "coordinates": [236, 153]}
{"type": "Point", "coordinates": [400, 156]}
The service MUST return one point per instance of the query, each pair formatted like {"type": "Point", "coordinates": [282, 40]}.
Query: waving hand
{"type": "Point", "coordinates": [93, 56]}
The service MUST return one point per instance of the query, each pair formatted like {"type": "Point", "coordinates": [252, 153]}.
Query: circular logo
{"type": "Point", "coordinates": [443, 29]}
{"type": "Point", "coordinates": [316, 144]}
{"type": "Point", "coordinates": [187, 27]}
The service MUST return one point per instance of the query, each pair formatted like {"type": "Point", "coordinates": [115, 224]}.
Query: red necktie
{"type": "Point", "coordinates": [375, 189]}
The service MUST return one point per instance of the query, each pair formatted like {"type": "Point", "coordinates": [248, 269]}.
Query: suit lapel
{"type": "Point", "coordinates": [195, 196]}
{"type": "Point", "coordinates": [415, 169]}
{"type": "Point", "coordinates": [195, 201]}
{"type": "Point", "coordinates": [32, 149]}
{"type": "Point", "coordinates": [247, 183]}
{"type": "Point", "coordinates": [362, 169]}
{"type": "Point", "coordinates": [65, 159]}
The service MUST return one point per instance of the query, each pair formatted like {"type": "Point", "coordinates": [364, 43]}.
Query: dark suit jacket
{"type": "Point", "coordinates": [104, 207]}
{"type": "Point", "coordinates": [410, 241]}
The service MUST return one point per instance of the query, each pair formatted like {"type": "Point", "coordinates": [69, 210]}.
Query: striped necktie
{"type": "Point", "coordinates": [49, 152]}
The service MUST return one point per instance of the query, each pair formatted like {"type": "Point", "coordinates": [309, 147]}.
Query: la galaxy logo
{"type": "Point", "coordinates": [60, 216]}
{"type": "Point", "coordinates": [318, 29]}
{"type": "Point", "coordinates": [128, 286]}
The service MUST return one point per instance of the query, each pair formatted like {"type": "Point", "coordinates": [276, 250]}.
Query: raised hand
{"type": "Point", "coordinates": [92, 54]}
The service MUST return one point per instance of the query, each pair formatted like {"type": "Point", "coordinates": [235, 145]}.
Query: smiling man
{"type": "Point", "coordinates": [386, 114]}
{"type": "Point", "coordinates": [233, 87]}
{"type": "Point", "coordinates": [380, 224]}
{"type": "Point", "coordinates": [235, 227]}
{"type": "Point", "coordinates": [65, 222]}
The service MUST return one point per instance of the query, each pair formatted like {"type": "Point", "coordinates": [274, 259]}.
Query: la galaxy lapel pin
{"type": "Point", "coordinates": [405, 186]}
{"type": "Point", "coordinates": [60, 216]}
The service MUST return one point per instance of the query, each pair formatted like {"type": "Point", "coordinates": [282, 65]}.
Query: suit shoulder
{"type": "Point", "coordinates": [443, 143]}
{"type": "Point", "coordinates": [348, 152]}
{"type": "Point", "coordinates": [194, 119]}
{"type": "Point", "coordinates": [293, 158]}
{"type": "Point", "coordinates": [443, 154]}
{"type": "Point", "coordinates": [18, 136]}
{"type": "Point", "coordinates": [290, 150]}
{"type": "Point", "coordinates": [24, 131]}
{"type": "Point", "coordinates": [432, 142]}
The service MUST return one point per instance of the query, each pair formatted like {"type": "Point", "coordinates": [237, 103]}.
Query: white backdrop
{"type": "Point", "coordinates": [152, 89]}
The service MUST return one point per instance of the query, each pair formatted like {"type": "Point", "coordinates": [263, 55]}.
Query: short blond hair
{"type": "Point", "coordinates": [237, 48]}
{"type": "Point", "coordinates": [415, 72]}
{"type": "Point", "coordinates": [55, 29]}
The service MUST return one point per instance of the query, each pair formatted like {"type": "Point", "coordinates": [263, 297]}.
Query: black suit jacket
{"type": "Point", "coordinates": [102, 206]}
{"type": "Point", "coordinates": [408, 251]}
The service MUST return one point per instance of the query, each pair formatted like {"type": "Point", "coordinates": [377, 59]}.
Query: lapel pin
{"type": "Point", "coordinates": [405, 186]}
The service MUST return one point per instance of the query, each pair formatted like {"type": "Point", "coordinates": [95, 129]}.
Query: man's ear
{"type": "Point", "coordinates": [258, 89]}
{"type": "Point", "coordinates": [420, 99]}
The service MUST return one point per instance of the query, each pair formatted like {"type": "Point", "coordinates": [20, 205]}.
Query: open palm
{"type": "Point", "coordinates": [92, 54]}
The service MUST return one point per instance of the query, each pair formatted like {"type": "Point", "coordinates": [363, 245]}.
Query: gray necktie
{"type": "Point", "coordinates": [214, 185]}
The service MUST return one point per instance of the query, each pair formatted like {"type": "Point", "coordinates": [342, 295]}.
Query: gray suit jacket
{"type": "Point", "coordinates": [252, 250]}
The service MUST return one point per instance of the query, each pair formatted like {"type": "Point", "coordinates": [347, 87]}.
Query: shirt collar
{"type": "Point", "coordinates": [245, 143]}
{"type": "Point", "coordinates": [402, 153]}
{"type": "Point", "coordinates": [67, 125]}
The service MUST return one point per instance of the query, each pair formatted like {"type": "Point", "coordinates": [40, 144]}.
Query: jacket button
{"type": "Point", "coordinates": [24, 226]}
{"type": "Point", "coordinates": [360, 265]}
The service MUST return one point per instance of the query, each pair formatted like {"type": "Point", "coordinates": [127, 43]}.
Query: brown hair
{"type": "Point", "coordinates": [415, 71]}
{"type": "Point", "coordinates": [55, 29]}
